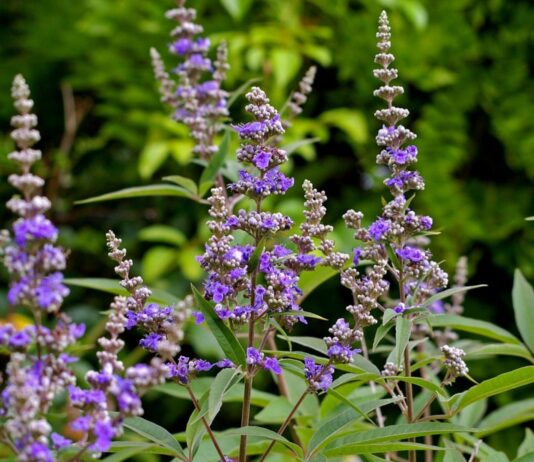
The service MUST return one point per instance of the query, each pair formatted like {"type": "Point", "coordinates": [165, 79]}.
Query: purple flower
{"type": "Point", "coordinates": [199, 317]}
{"type": "Point", "coordinates": [262, 159]}
{"type": "Point", "coordinates": [104, 433]}
{"type": "Point", "coordinates": [318, 377]}
{"type": "Point", "coordinates": [271, 364]}
{"type": "Point", "coordinates": [280, 251]}
{"type": "Point", "coordinates": [357, 254]}
{"type": "Point", "coordinates": [379, 228]}
{"type": "Point", "coordinates": [150, 342]}
{"type": "Point", "coordinates": [308, 261]}
{"type": "Point", "coordinates": [201, 365]}
{"type": "Point", "coordinates": [51, 291]}
{"type": "Point", "coordinates": [254, 357]}
{"type": "Point", "coordinates": [400, 308]}
{"type": "Point", "coordinates": [411, 253]}
{"type": "Point", "coordinates": [182, 46]}
{"type": "Point", "coordinates": [180, 369]}
{"type": "Point", "coordinates": [127, 399]}
{"type": "Point", "coordinates": [40, 452]}
{"type": "Point", "coordinates": [81, 423]}
{"type": "Point", "coordinates": [59, 441]}
{"type": "Point", "coordinates": [35, 228]}
{"type": "Point", "coordinates": [222, 312]}
{"type": "Point", "coordinates": [224, 364]}
{"type": "Point", "coordinates": [20, 339]}
{"type": "Point", "coordinates": [218, 291]}
{"type": "Point", "coordinates": [426, 222]}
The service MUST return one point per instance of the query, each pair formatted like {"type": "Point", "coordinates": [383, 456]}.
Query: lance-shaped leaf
{"type": "Point", "coordinates": [154, 433]}
{"type": "Point", "coordinates": [140, 191]}
{"type": "Point", "coordinates": [523, 301]}
{"type": "Point", "coordinates": [222, 333]}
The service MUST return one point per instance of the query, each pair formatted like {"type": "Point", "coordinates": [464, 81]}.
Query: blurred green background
{"type": "Point", "coordinates": [466, 66]}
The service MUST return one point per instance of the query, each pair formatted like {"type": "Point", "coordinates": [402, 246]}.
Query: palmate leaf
{"type": "Point", "coordinates": [112, 286]}
{"type": "Point", "coordinates": [491, 387]}
{"type": "Point", "coordinates": [222, 333]}
{"type": "Point", "coordinates": [523, 301]}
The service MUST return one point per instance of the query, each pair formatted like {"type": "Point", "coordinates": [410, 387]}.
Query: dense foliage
{"type": "Point", "coordinates": [465, 67]}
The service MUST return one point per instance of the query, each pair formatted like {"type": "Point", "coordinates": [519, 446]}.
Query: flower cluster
{"type": "Point", "coordinates": [250, 281]}
{"type": "Point", "coordinates": [163, 326]}
{"type": "Point", "coordinates": [454, 363]}
{"type": "Point", "coordinates": [38, 368]}
{"type": "Point", "coordinates": [199, 102]}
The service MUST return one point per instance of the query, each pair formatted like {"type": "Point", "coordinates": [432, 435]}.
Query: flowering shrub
{"type": "Point", "coordinates": [344, 395]}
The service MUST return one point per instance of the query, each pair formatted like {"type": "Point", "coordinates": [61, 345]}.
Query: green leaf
{"type": "Point", "coordinates": [304, 314]}
{"type": "Point", "coordinates": [187, 183]}
{"type": "Point", "coordinates": [403, 331]}
{"type": "Point", "coordinates": [423, 383]}
{"type": "Point", "coordinates": [224, 380]}
{"type": "Point", "coordinates": [157, 261]}
{"type": "Point", "coordinates": [236, 8]}
{"type": "Point", "coordinates": [353, 449]}
{"type": "Point", "coordinates": [112, 286]}
{"type": "Point", "coordinates": [213, 169]}
{"type": "Point", "coordinates": [527, 445]}
{"type": "Point", "coordinates": [494, 386]}
{"type": "Point", "coordinates": [154, 433]}
{"type": "Point", "coordinates": [140, 191]}
{"type": "Point", "coordinates": [523, 301]}
{"type": "Point", "coordinates": [498, 349]}
{"type": "Point", "coordinates": [310, 280]}
{"type": "Point", "coordinates": [507, 416]}
{"type": "Point", "coordinates": [275, 412]}
{"type": "Point", "coordinates": [381, 332]}
{"type": "Point", "coordinates": [474, 326]}
{"type": "Point", "coordinates": [162, 233]}
{"type": "Point", "coordinates": [389, 314]}
{"type": "Point", "coordinates": [447, 293]}
{"type": "Point", "coordinates": [152, 156]}
{"type": "Point", "coordinates": [225, 337]}
{"type": "Point", "coordinates": [264, 434]}
{"type": "Point", "coordinates": [241, 89]}
{"type": "Point", "coordinates": [291, 148]}
{"type": "Point", "coordinates": [351, 121]}
{"type": "Point", "coordinates": [313, 343]}
{"type": "Point", "coordinates": [125, 454]}
{"type": "Point", "coordinates": [453, 455]}
{"type": "Point", "coordinates": [400, 432]}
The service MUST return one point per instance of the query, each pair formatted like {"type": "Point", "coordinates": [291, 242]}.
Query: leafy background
{"type": "Point", "coordinates": [467, 69]}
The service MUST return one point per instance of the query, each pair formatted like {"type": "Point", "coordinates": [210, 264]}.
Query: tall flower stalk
{"type": "Point", "coordinates": [39, 368]}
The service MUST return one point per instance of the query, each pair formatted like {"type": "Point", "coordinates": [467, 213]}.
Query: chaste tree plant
{"type": "Point", "coordinates": [388, 381]}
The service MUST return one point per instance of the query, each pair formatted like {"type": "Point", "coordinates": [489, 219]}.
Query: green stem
{"type": "Point", "coordinates": [247, 394]}
{"type": "Point", "coordinates": [285, 424]}
{"type": "Point", "coordinates": [205, 422]}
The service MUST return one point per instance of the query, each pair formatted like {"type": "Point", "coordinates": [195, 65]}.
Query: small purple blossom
{"type": "Point", "coordinates": [271, 364]}
{"type": "Point", "coordinates": [379, 228]}
{"type": "Point", "coordinates": [104, 433]}
{"type": "Point", "coordinates": [199, 317]}
{"type": "Point", "coordinates": [151, 341]}
{"type": "Point", "coordinates": [59, 441]}
{"type": "Point", "coordinates": [411, 253]}
{"type": "Point", "coordinates": [254, 357]}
